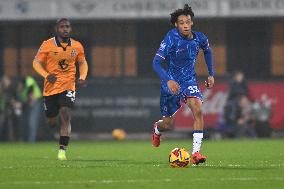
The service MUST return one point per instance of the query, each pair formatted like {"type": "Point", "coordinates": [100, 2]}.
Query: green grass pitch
{"type": "Point", "coordinates": [232, 164]}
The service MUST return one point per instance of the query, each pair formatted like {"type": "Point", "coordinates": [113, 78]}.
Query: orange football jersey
{"type": "Point", "coordinates": [60, 59]}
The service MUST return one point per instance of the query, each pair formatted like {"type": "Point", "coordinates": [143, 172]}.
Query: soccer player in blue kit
{"type": "Point", "coordinates": [180, 48]}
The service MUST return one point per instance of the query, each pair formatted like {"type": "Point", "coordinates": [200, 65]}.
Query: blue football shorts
{"type": "Point", "coordinates": [170, 103]}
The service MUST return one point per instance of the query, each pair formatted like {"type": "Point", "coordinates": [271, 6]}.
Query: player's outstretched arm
{"type": "Point", "coordinates": [38, 67]}
{"type": "Point", "coordinates": [209, 62]}
{"type": "Point", "coordinates": [157, 66]}
{"type": "Point", "coordinates": [210, 82]}
{"type": "Point", "coordinates": [39, 61]}
{"type": "Point", "coordinates": [173, 86]}
{"type": "Point", "coordinates": [83, 70]}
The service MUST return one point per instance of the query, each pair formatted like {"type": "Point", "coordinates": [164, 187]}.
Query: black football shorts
{"type": "Point", "coordinates": [53, 103]}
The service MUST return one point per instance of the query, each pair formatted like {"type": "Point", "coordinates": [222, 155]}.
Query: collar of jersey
{"type": "Point", "coordinates": [58, 44]}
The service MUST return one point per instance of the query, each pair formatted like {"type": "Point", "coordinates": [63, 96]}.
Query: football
{"type": "Point", "coordinates": [118, 134]}
{"type": "Point", "coordinates": [179, 157]}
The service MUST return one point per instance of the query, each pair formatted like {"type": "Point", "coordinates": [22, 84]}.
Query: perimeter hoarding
{"type": "Point", "coordinates": [134, 106]}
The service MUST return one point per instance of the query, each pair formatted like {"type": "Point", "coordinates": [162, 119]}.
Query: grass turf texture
{"type": "Point", "coordinates": [231, 164]}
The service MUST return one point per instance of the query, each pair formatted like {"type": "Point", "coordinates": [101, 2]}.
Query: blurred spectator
{"type": "Point", "coordinates": [262, 114]}
{"type": "Point", "coordinates": [228, 119]}
{"type": "Point", "coordinates": [11, 105]}
{"type": "Point", "coordinates": [2, 109]}
{"type": "Point", "coordinates": [236, 119]}
{"type": "Point", "coordinates": [238, 87]}
{"type": "Point", "coordinates": [31, 95]}
{"type": "Point", "coordinates": [244, 123]}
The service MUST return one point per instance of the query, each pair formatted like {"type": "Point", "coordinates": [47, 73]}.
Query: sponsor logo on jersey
{"type": "Point", "coordinates": [63, 64]}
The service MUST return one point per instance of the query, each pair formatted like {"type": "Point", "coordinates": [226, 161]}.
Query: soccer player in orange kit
{"type": "Point", "coordinates": [56, 63]}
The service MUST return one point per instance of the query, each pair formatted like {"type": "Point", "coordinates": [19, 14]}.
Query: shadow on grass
{"type": "Point", "coordinates": [232, 168]}
{"type": "Point", "coordinates": [99, 160]}
{"type": "Point", "coordinates": [163, 164]}
{"type": "Point", "coordinates": [120, 162]}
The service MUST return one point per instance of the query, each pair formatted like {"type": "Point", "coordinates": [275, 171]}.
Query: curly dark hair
{"type": "Point", "coordinates": [185, 11]}
{"type": "Point", "coordinates": [62, 20]}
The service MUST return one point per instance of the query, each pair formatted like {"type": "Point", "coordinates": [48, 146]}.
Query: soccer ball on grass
{"type": "Point", "coordinates": [179, 157]}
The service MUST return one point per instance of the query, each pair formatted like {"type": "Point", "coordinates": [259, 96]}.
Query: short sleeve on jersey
{"type": "Point", "coordinates": [81, 54]}
{"type": "Point", "coordinates": [164, 47]}
{"type": "Point", "coordinates": [204, 42]}
{"type": "Point", "coordinates": [42, 53]}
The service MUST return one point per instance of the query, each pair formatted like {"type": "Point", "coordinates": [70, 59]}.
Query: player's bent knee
{"type": "Point", "coordinates": [169, 125]}
{"type": "Point", "coordinates": [198, 112]}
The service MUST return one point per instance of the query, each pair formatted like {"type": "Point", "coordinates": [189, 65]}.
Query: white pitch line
{"type": "Point", "coordinates": [239, 165]}
{"type": "Point", "coordinates": [86, 166]}
{"type": "Point", "coordinates": [110, 181]}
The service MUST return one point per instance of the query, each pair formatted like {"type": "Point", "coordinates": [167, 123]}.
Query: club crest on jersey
{"type": "Point", "coordinates": [73, 53]}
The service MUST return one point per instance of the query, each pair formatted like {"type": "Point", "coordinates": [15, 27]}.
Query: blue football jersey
{"type": "Point", "coordinates": [180, 54]}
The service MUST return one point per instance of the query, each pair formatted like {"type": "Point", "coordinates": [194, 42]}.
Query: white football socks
{"type": "Point", "coordinates": [157, 132]}
{"type": "Point", "coordinates": [197, 140]}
